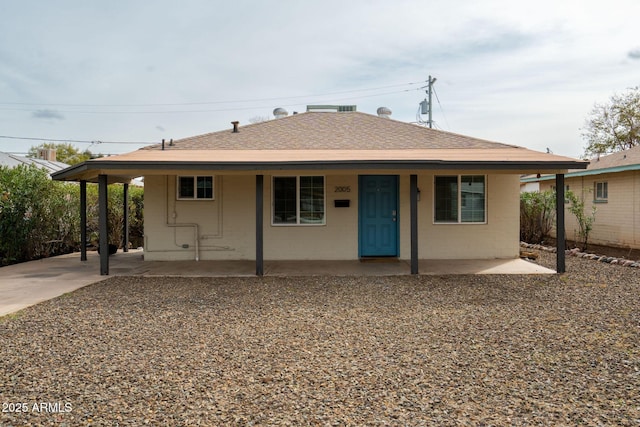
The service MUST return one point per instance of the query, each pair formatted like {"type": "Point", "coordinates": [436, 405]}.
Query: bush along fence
{"type": "Point", "coordinates": [41, 218]}
{"type": "Point", "coordinates": [538, 216]}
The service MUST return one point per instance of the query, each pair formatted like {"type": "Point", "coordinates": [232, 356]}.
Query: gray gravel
{"type": "Point", "coordinates": [455, 350]}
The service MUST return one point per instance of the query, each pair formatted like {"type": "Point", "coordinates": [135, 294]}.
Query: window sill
{"type": "Point", "coordinates": [601, 201]}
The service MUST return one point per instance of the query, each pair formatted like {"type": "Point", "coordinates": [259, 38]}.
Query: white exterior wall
{"type": "Point", "coordinates": [337, 239]}
{"type": "Point", "coordinates": [226, 225]}
{"type": "Point", "coordinates": [529, 187]}
{"type": "Point", "coordinates": [498, 238]}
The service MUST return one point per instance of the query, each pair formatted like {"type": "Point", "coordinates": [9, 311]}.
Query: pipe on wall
{"type": "Point", "coordinates": [195, 234]}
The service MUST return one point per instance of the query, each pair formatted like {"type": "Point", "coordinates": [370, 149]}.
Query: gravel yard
{"type": "Point", "coordinates": [429, 350]}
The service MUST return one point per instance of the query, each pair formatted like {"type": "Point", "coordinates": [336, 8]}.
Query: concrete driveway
{"type": "Point", "coordinates": [29, 283]}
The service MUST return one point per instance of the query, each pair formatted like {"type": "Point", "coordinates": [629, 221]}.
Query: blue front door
{"type": "Point", "coordinates": [378, 215]}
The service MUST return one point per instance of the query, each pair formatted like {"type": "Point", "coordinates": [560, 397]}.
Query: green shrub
{"type": "Point", "coordinates": [537, 215]}
{"type": "Point", "coordinates": [585, 222]}
{"type": "Point", "coordinates": [40, 217]}
{"type": "Point", "coordinates": [115, 198]}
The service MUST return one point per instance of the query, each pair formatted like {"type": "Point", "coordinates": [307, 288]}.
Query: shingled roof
{"type": "Point", "coordinates": [322, 141]}
{"type": "Point", "coordinates": [621, 161]}
{"type": "Point", "coordinates": [329, 131]}
{"type": "Point", "coordinates": [627, 157]}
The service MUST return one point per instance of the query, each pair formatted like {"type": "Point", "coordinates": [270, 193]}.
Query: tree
{"type": "Point", "coordinates": [65, 153]}
{"type": "Point", "coordinates": [614, 126]}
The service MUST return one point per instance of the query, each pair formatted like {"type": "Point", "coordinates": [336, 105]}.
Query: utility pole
{"type": "Point", "coordinates": [427, 105]}
{"type": "Point", "coordinates": [432, 80]}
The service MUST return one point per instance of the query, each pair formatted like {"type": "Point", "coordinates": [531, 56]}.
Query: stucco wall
{"type": "Point", "coordinates": [498, 238]}
{"type": "Point", "coordinates": [617, 222]}
{"type": "Point", "coordinates": [226, 225]}
{"type": "Point", "coordinates": [337, 239]}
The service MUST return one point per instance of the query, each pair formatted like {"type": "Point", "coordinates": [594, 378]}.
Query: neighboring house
{"type": "Point", "coordinates": [338, 185]}
{"type": "Point", "coordinates": [527, 186]}
{"type": "Point", "coordinates": [13, 160]}
{"type": "Point", "coordinates": [611, 184]}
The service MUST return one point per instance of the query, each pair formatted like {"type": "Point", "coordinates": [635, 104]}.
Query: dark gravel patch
{"type": "Point", "coordinates": [454, 350]}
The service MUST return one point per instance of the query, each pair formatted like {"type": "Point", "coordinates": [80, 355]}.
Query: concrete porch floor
{"type": "Point", "coordinates": [29, 283]}
{"type": "Point", "coordinates": [132, 263]}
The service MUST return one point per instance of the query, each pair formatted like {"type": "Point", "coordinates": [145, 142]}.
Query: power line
{"type": "Point", "coordinates": [441, 109]}
{"type": "Point", "coordinates": [93, 142]}
{"type": "Point", "coordinates": [78, 141]}
{"type": "Point", "coordinates": [215, 102]}
{"type": "Point", "coordinates": [216, 110]}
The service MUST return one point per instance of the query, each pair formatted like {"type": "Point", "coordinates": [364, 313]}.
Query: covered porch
{"type": "Point", "coordinates": [263, 265]}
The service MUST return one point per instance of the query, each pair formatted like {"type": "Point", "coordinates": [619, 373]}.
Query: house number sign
{"type": "Point", "coordinates": [342, 189]}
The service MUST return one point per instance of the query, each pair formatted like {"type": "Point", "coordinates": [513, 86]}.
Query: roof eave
{"type": "Point", "coordinates": [71, 171]}
{"type": "Point", "coordinates": [125, 168]}
{"type": "Point", "coordinates": [588, 172]}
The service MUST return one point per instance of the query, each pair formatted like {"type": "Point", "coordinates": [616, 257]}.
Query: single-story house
{"type": "Point", "coordinates": [611, 184]}
{"type": "Point", "coordinates": [529, 186]}
{"type": "Point", "coordinates": [328, 184]}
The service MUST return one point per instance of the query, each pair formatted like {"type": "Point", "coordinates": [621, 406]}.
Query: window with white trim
{"type": "Point", "coordinates": [460, 199]}
{"type": "Point", "coordinates": [195, 188]}
{"type": "Point", "coordinates": [298, 200]}
{"type": "Point", "coordinates": [601, 191]}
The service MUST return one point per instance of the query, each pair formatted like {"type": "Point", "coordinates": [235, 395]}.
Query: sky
{"type": "Point", "coordinates": [137, 71]}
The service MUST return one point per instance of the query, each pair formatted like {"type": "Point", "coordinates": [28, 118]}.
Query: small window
{"type": "Point", "coordinates": [195, 188]}
{"type": "Point", "coordinates": [460, 199]}
{"type": "Point", "coordinates": [298, 200]}
{"type": "Point", "coordinates": [601, 191]}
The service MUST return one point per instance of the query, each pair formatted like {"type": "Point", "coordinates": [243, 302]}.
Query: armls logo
{"type": "Point", "coordinates": [52, 407]}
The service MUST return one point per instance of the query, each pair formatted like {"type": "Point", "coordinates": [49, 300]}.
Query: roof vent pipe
{"type": "Point", "coordinates": [384, 112]}
{"type": "Point", "coordinates": [235, 126]}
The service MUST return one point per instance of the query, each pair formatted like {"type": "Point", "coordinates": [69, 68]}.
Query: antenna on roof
{"type": "Point", "coordinates": [426, 106]}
